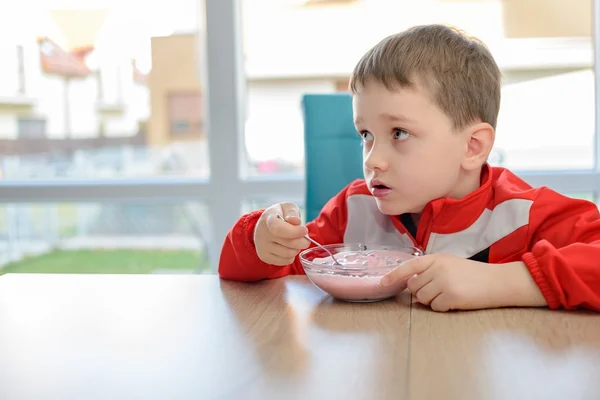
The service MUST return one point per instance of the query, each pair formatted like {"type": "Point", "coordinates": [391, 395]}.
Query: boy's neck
{"type": "Point", "coordinates": [468, 182]}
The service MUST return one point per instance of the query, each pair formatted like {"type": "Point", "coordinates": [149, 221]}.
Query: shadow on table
{"type": "Point", "coordinates": [556, 330]}
{"type": "Point", "coordinates": [337, 315]}
{"type": "Point", "coordinates": [269, 325]}
{"type": "Point", "coordinates": [301, 343]}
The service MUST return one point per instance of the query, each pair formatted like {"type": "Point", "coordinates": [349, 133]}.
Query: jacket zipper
{"type": "Point", "coordinates": [423, 226]}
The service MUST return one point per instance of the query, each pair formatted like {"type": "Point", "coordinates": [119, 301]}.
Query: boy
{"type": "Point", "coordinates": [425, 103]}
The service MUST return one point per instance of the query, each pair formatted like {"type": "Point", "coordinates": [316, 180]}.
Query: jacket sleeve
{"type": "Point", "coordinates": [239, 261]}
{"type": "Point", "coordinates": [564, 250]}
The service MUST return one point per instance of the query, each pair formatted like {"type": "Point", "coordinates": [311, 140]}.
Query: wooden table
{"type": "Point", "coordinates": [196, 337]}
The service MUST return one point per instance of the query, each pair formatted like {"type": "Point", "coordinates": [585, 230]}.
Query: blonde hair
{"type": "Point", "coordinates": [458, 71]}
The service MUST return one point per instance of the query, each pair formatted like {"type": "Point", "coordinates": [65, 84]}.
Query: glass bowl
{"type": "Point", "coordinates": [363, 266]}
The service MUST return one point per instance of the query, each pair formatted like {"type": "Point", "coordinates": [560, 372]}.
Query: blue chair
{"type": "Point", "coordinates": [333, 154]}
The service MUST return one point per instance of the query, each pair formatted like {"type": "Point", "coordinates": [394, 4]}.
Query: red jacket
{"type": "Point", "coordinates": [505, 220]}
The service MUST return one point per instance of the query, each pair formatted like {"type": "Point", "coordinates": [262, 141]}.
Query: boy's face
{"type": "Point", "coordinates": [411, 153]}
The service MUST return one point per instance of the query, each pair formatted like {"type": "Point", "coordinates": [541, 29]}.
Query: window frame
{"type": "Point", "coordinates": [227, 188]}
{"type": "Point", "coordinates": [22, 88]}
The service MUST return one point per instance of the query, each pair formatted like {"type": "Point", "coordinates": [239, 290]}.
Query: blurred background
{"type": "Point", "coordinates": [113, 155]}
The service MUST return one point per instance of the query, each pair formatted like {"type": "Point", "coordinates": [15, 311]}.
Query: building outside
{"type": "Point", "coordinates": [53, 92]}
{"type": "Point", "coordinates": [545, 55]}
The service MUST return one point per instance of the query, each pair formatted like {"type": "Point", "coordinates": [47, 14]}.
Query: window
{"type": "Point", "coordinates": [99, 155]}
{"type": "Point", "coordinates": [29, 128]}
{"type": "Point", "coordinates": [544, 50]}
{"type": "Point", "coordinates": [260, 203]}
{"type": "Point", "coordinates": [185, 114]}
{"type": "Point", "coordinates": [179, 127]}
{"type": "Point", "coordinates": [250, 155]}
{"type": "Point", "coordinates": [85, 86]}
{"type": "Point", "coordinates": [106, 237]}
{"type": "Point", "coordinates": [589, 196]}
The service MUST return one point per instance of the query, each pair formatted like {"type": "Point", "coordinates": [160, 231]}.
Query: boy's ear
{"type": "Point", "coordinates": [480, 140]}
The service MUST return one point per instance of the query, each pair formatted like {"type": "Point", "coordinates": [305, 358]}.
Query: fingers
{"type": "Point", "coordinates": [291, 213]}
{"type": "Point", "coordinates": [296, 244]}
{"type": "Point", "coordinates": [279, 241]}
{"type": "Point", "coordinates": [276, 254]}
{"type": "Point", "coordinates": [417, 281]}
{"type": "Point", "coordinates": [407, 269]}
{"type": "Point", "coordinates": [440, 303]}
{"type": "Point", "coordinates": [281, 255]}
{"type": "Point", "coordinates": [278, 260]}
{"type": "Point", "coordinates": [428, 293]}
{"type": "Point", "coordinates": [282, 251]}
{"type": "Point", "coordinates": [284, 229]}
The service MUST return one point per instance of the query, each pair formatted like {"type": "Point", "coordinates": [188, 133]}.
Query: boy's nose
{"type": "Point", "coordinates": [375, 159]}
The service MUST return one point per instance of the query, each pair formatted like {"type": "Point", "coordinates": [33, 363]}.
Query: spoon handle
{"type": "Point", "coordinates": [335, 261]}
{"type": "Point", "coordinates": [324, 248]}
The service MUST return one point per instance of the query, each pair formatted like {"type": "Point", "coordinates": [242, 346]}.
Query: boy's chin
{"type": "Point", "coordinates": [389, 209]}
{"type": "Point", "coordinates": [395, 209]}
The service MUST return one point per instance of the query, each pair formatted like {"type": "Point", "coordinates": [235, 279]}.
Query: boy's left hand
{"type": "Point", "coordinates": [446, 282]}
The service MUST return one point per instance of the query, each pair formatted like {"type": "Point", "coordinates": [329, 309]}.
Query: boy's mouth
{"type": "Point", "coordinates": [379, 189]}
{"type": "Point", "coordinates": [377, 184]}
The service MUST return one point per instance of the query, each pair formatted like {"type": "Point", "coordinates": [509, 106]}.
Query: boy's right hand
{"type": "Point", "coordinates": [278, 242]}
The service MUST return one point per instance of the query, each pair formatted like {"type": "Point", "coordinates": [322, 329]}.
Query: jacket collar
{"type": "Point", "coordinates": [448, 215]}
{"type": "Point", "coordinates": [452, 215]}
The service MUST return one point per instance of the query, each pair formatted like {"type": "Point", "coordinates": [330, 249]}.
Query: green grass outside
{"type": "Point", "coordinates": [111, 262]}
{"type": "Point", "coordinates": [118, 261]}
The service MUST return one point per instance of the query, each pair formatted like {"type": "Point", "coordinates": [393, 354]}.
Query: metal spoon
{"type": "Point", "coordinates": [318, 244]}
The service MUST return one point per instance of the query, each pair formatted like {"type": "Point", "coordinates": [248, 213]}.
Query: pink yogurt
{"type": "Point", "coordinates": [360, 280]}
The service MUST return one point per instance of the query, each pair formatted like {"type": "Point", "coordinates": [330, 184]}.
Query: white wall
{"type": "Point", "coordinates": [8, 84]}
{"type": "Point", "coordinates": [274, 124]}
{"type": "Point", "coordinates": [110, 85]}
{"type": "Point", "coordinates": [47, 91]}
{"type": "Point", "coordinates": [8, 126]}
{"type": "Point", "coordinates": [140, 104]}
{"type": "Point", "coordinates": [51, 105]}
{"type": "Point", "coordinates": [330, 40]}
{"type": "Point", "coordinates": [32, 66]}
{"type": "Point", "coordinates": [8, 68]}
{"type": "Point", "coordinates": [134, 97]}
{"type": "Point", "coordinates": [548, 123]}
{"type": "Point", "coordinates": [82, 107]}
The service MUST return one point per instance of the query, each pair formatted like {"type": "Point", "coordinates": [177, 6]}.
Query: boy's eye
{"type": "Point", "coordinates": [366, 136]}
{"type": "Point", "coordinates": [400, 134]}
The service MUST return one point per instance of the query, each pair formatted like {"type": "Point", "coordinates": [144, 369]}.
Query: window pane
{"type": "Point", "coordinates": [543, 48]}
{"type": "Point", "coordinates": [110, 91]}
{"type": "Point", "coordinates": [252, 204]}
{"type": "Point", "coordinates": [589, 196]}
{"type": "Point", "coordinates": [101, 238]}
{"type": "Point", "coordinates": [547, 115]}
